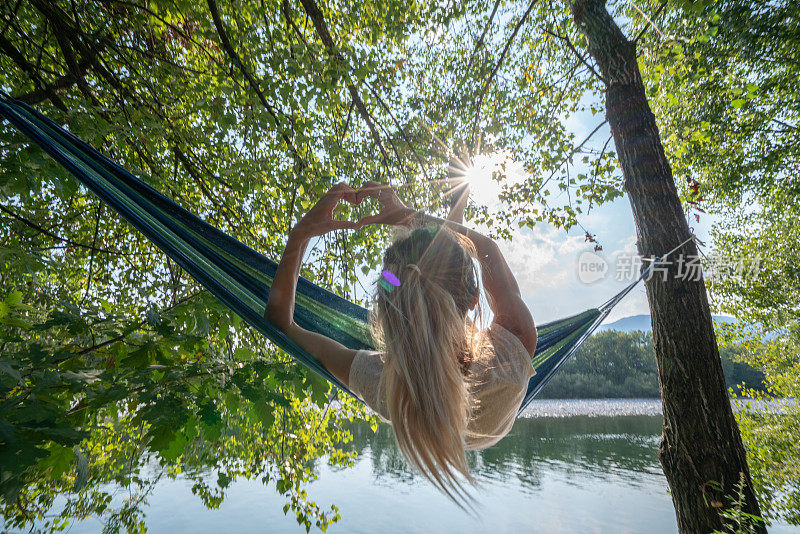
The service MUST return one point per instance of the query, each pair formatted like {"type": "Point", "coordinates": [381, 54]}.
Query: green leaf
{"type": "Point", "coordinates": [739, 102]}
{"type": "Point", "coordinates": [84, 377]}
{"type": "Point", "coordinates": [58, 461]}
{"type": "Point", "coordinates": [201, 324]}
{"type": "Point", "coordinates": [209, 415]}
{"type": "Point", "coordinates": [13, 298]}
{"type": "Point", "coordinates": [140, 358]}
{"type": "Point", "coordinates": [5, 367]}
{"type": "Point", "coordinates": [153, 318]}
{"type": "Point", "coordinates": [266, 414]}
{"type": "Point", "coordinates": [15, 322]}
{"type": "Point", "coordinates": [244, 354]}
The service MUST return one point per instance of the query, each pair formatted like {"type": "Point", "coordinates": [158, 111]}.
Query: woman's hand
{"type": "Point", "coordinates": [393, 211]}
{"type": "Point", "coordinates": [319, 219]}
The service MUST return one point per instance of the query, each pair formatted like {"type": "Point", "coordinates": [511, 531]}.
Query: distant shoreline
{"type": "Point", "coordinates": [592, 407]}
{"type": "Point", "coordinates": [620, 407]}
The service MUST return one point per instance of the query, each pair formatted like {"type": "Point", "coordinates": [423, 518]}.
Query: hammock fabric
{"type": "Point", "coordinates": [241, 277]}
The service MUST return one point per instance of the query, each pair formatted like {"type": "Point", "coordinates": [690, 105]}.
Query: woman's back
{"type": "Point", "coordinates": [498, 377]}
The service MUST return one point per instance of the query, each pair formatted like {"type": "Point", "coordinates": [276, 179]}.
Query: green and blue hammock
{"type": "Point", "coordinates": [239, 276]}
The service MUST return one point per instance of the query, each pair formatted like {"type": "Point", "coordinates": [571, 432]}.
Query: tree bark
{"type": "Point", "coordinates": [701, 449]}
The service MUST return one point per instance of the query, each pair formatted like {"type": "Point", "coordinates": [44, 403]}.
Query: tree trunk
{"type": "Point", "coordinates": [701, 449]}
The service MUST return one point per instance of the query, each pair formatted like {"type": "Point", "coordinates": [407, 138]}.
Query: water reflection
{"type": "Point", "coordinates": [551, 475]}
{"type": "Point", "coordinates": [622, 447]}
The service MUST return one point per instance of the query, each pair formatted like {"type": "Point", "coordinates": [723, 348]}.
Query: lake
{"type": "Point", "coordinates": [568, 466]}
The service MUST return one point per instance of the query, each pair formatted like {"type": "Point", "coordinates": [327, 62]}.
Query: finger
{"type": "Point", "coordinates": [371, 189]}
{"type": "Point", "coordinates": [370, 219]}
{"type": "Point", "coordinates": [341, 191]}
{"type": "Point", "coordinates": [350, 195]}
{"type": "Point", "coordinates": [341, 188]}
{"type": "Point", "coordinates": [345, 225]}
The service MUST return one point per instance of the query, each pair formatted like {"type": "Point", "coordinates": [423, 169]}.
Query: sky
{"type": "Point", "coordinates": [546, 262]}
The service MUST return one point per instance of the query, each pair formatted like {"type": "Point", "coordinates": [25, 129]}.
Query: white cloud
{"type": "Point", "coordinates": [544, 261]}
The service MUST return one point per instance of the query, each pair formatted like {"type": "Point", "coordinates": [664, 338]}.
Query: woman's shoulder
{"type": "Point", "coordinates": [502, 353]}
{"type": "Point", "coordinates": [367, 365]}
{"type": "Point", "coordinates": [365, 379]}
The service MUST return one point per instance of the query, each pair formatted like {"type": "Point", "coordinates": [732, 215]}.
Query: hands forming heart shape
{"type": "Point", "coordinates": [319, 219]}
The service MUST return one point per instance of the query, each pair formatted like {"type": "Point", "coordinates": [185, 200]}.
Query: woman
{"type": "Point", "coordinates": [444, 385]}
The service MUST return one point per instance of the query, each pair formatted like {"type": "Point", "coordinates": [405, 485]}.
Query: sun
{"type": "Point", "coordinates": [483, 178]}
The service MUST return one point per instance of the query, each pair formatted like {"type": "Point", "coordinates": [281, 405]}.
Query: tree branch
{"type": "Point", "coordinates": [234, 56]}
{"type": "Point", "coordinates": [48, 233]}
{"type": "Point", "coordinates": [573, 152]}
{"type": "Point", "coordinates": [91, 259]}
{"type": "Point", "coordinates": [315, 14]}
{"type": "Point", "coordinates": [130, 330]}
{"type": "Point", "coordinates": [400, 129]}
{"type": "Point", "coordinates": [16, 56]}
{"type": "Point", "coordinates": [572, 48]}
{"type": "Point", "coordinates": [497, 66]}
{"type": "Point", "coordinates": [479, 42]}
{"type": "Point", "coordinates": [643, 30]}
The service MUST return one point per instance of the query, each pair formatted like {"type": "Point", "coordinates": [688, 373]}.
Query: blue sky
{"type": "Point", "coordinates": [545, 259]}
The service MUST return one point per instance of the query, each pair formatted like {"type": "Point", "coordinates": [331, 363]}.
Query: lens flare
{"type": "Point", "coordinates": [481, 176]}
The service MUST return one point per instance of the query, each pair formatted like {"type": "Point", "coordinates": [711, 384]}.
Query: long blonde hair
{"type": "Point", "coordinates": [422, 328]}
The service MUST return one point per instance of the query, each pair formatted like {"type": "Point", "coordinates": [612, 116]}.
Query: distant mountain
{"type": "Point", "coordinates": [642, 322]}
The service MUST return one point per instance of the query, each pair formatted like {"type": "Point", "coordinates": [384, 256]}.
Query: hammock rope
{"type": "Point", "coordinates": [239, 276]}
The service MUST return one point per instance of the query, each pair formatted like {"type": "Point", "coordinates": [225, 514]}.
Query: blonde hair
{"type": "Point", "coordinates": [423, 330]}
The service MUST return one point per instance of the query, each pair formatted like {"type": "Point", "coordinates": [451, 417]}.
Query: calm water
{"type": "Point", "coordinates": [568, 468]}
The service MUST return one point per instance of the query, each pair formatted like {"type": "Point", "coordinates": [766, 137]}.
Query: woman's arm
{"type": "Point", "coordinates": [280, 306]}
{"type": "Point", "coordinates": [502, 289]}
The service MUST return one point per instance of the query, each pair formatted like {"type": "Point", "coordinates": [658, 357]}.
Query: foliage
{"type": "Point", "coordinates": [507, 78]}
{"type": "Point", "coordinates": [77, 417]}
{"type": "Point", "coordinates": [244, 113]}
{"type": "Point", "coordinates": [737, 520]}
{"type": "Point", "coordinates": [724, 85]}
{"type": "Point", "coordinates": [771, 435]}
{"type": "Point", "coordinates": [111, 358]}
{"type": "Point", "coordinates": [613, 364]}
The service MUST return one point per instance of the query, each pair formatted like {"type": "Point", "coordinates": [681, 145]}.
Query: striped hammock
{"type": "Point", "coordinates": [239, 276]}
